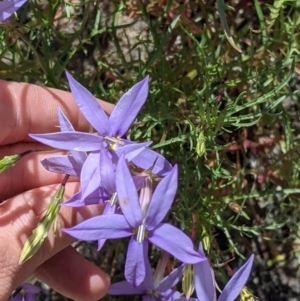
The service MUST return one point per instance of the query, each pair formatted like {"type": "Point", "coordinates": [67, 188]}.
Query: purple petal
{"type": "Point", "coordinates": [18, 297]}
{"type": "Point", "coordinates": [76, 141]}
{"type": "Point", "coordinates": [64, 123]}
{"type": "Point", "coordinates": [7, 8]}
{"type": "Point", "coordinates": [74, 201]}
{"type": "Point", "coordinates": [90, 175]}
{"type": "Point", "coordinates": [125, 288]}
{"type": "Point", "coordinates": [149, 280]}
{"type": "Point", "coordinates": [89, 107]}
{"type": "Point", "coordinates": [97, 197]}
{"type": "Point", "coordinates": [175, 242]}
{"type": "Point", "coordinates": [107, 210]}
{"type": "Point", "coordinates": [137, 254]}
{"type": "Point", "coordinates": [107, 171]}
{"type": "Point", "coordinates": [62, 164]}
{"type": "Point", "coordinates": [128, 107]}
{"type": "Point", "coordinates": [172, 279]}
{"type": "Point", "coordinates": [162, 199]}
{"type": "Point", "coordinates": [79, 157]}
{"type": "Point", "coordinates": [131, 150]}
{"type": "Point", "coordinates": [30, 288]}
{"type": "Point", "coordinates": [170, 295]}
{"type": "Point", "coordinates": [204, 282]}
{"type": "Point", "coordinates": [185, 299]}
{"type": "Point", "coordinates": [30, 297]}
{"type": "Point", "coordinates": [98, 227]}
{"type": "Point", "coordinates": [237, 282]}
{"type": "Point", "coordinates": [127, 195]}
{"type": "Point", "coordinates": [101, 243]}
{"type": "Point", "coordinates": [138, 181]}
{"type": "Point", "coordinates": [66, 126]}
{"type": "Point", "coordinates": [148, 157]}
{"type": "Point", "coordinates": [200, 249]}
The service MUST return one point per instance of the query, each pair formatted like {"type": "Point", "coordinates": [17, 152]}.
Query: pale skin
{"type": "Point", "coordinates": [27, 189]}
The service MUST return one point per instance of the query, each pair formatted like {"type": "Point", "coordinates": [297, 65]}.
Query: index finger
{"type": "Point", "coordinates": [27, 108]}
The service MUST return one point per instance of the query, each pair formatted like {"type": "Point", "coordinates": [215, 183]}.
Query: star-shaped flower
{"type": "Point", "coordinates": [141, 225]}
{"type": "Point", "coordinates": [110, 129]}
{"type": "Point", "coordinates": [7, 8]}
{"type": "Point", "coordinates": [79, 163]}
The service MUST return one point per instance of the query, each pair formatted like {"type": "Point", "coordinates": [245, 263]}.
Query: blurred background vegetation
{"type": "Point", "coordinates": [223, 105]}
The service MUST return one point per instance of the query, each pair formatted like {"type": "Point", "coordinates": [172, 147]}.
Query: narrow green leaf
{"type": "Point", "coordinates": [163, 42]}
{"type": "Point", "coordinates": [221, 8]}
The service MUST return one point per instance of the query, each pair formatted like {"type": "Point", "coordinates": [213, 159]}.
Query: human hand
{"type": "Point", "coordinates": [27, 189]}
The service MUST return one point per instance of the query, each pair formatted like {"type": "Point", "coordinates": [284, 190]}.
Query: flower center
{"type": "Point", "coordinates": [113, 142]}
{"type": "Point", "coordinates": [152, 293]}
{"type": "Point", "coordinates": [113, 200]}
{"type": "Point", "coordinates": [140, 232]}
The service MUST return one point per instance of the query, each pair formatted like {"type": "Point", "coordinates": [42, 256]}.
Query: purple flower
{"type": "Point", "coordinates": [104, 194]}
{"type": "Point", "coordinates": [26, 292]}
{"type": "Point", "coordinates": [154, 288]}
{"type": "Point", "coordinates": [141, 225]}
{"type": "Point", "coordinates": [91, 169]}
{"type": "Point", "coordinates": [7, 8]}
{"type": "Point", "coordinates": [98, 171]}
{"type": "Point", "coordinates": [205, 286]}
{"type": "Point", "coordinates": [110, 129]}
{"type": "Point", "coordinates": [98, 182]}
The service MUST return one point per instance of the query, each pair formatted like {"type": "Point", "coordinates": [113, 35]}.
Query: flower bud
{"type": "Point", "coordinates": [235, 207]}
{"type": "Point", "coordinates": [146, 194]}
{"type": "Point", "coordinates": [245, 295]}
{"type": "Point", "coordinates": [8, 161]}
{"type": "Point", "coordinates": [201, 146]}
{"type": "Point", "coordinates": [39, 234]}
{"type": "Point", "coordinates": [188, 286]}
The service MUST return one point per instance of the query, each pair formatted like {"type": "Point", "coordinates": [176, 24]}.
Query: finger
{"type": "Point", "coordinates": [19, 216]}
{"type": "Point", "coordinates": [70, 274]}
{"type": "Point", "coordinates": [28, 173]}
{"type": "Point", "coordinates": [27, 108]}
{"type": "Point", "coordinates": [21, 147]}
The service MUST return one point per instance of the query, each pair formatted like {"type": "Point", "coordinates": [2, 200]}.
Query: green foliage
{"type": "Point", "coordinates": [228, 119]}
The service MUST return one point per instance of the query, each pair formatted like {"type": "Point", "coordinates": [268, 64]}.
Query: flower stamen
{"type": "Point", "coordinates": [141, 233]}
{"type": "Point", "coordinates": [113, 142]}
{"type": "Point", "coordinates": [113, 200]}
